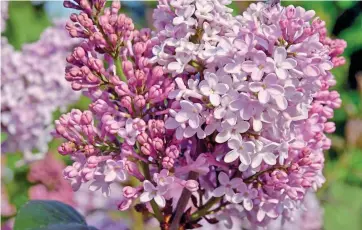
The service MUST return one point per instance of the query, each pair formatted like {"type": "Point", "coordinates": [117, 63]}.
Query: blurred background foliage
{"type": "Point", "coordinates": [341, 195]}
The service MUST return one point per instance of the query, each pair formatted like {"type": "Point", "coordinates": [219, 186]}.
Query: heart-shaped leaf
{"type": "Point", "coordinates": [49, 215]}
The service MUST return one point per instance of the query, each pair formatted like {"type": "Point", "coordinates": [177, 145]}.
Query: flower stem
{"type": "Point", "coordinates": [119, 70]}
{"type": "Point", "coordinates": [182, 203]}
{"type": "Point", "coordinates": [256, 175]}
{"type": "Point", "coordinates": [204, 210]}
{"type": "Point", "coordinates": [155, 208]}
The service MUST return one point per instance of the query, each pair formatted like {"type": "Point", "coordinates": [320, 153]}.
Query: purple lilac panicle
{"type": "Point", "coordinates": [232, 111]}
{"type": "Point", "coordinates": [32, 89]}
{"type": "Point", "coordinates": [4, 14]}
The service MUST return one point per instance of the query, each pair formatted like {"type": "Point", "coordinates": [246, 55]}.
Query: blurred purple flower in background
{"type": "Point", "coordinates": [32, 88]}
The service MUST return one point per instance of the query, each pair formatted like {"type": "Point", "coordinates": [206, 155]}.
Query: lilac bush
{"type": "Point", "coordinates": [209, 117]}
{"type": "Point", "coordinates": [32, 88]}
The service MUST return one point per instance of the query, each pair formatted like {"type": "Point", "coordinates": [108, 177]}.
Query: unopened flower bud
{"type": "Point", "coordinates": [191, 185]}
{"type": "Point", "coordinates": [124, 204]}
{"type": "Point", "coordinates": [139, 101]}
{"type": "Point", "coordinates": [129, 192]}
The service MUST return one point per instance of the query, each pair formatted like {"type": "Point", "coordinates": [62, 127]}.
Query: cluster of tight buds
{"type": "Point", "coordinates": [208, 117]}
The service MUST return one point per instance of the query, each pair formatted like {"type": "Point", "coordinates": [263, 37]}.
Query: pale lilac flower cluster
{"type": "Point", "coordinates": [214, 114]}
{"type": "Point", "coordinates": [4, 14]}
{"type": "Point", "coordinates": [260, 86]}
{"type": "Point", "coordinates": [32, 89]}
{"type": "Point", "coordinates": [308, 217]}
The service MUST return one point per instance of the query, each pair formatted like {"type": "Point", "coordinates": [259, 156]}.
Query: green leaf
{"type": "Point", "coordinates": [345, 4]}
{"type": "Point", "coordinates": [25, 24]}
{"type": "Point", "coordinates": [350, 34]}
{"type": "Point", "coordinates": [4, 136]}
{"type": "Point", "coordinates": [49, 215]}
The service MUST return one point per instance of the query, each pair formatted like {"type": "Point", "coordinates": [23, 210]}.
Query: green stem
{"type": "Point", "coordinates": [196, 65]}
{"type": "Point", "coordinates": [119, 70]}
{"type": "Point", "coordinates": [256, 175]}
{"type": "Point", "coordinates": [156, 209]}
{"type": "Point", "coordinates": [204, 210]}
{"type": "Point", "coordinates": [137, 219]}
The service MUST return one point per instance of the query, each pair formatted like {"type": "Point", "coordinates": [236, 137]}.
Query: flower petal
{"type": "Point", "coordinates": [215, 99]}
{"type": "Point", "coordinates": [179, 133]}
{"type": "Point", "coordinates": [219, 191]}
{"type": "Point", "coordinates": [281, 73]}
{"type": "Point", "coordinates": [234, 143]}
{"type": "Point", "coordinates": [171, 123]}
{"type": "Point", "coordinates": [255, 87]}
{"type": "Point", "coordinates": [121, 175]}
{"type": "Point", "coordinates": [257, 125]}
{"type": "Point", "coordinates": [257, 161]}
{"type": "Point", "coordinates": [263, 96]}
{"type": "Point", "coordinates": [232, 68]}
{"type": "Point", "coordinates": [237, 198]}
{"type": "Point", "coordinates": [230, 118]}
{"type": "Point", "coordinates": [182, 116]}
{"type": "Point", "coordinates": [189, 132]}
{"type": "Point", "coordinates": [146, 197]}
{"type": "Point", "coordinates": [275, 89]}
{"type": "Point", "coordinates": [160, 200]}
{"type": "Point", "coordinates": [223, 178]}
{"type": "Point", "coordinates": [248, 66]}
{"type": "Point", "coordinates": [175, 66]}
{"type": "Point", "coordinates": [194, 121]}
{"type": "Point", "coordinates": [242, 167]}
{"type": "Point", "coordinates": [219, 112]}
{"type": "Point", "coordinates": [249, 146]}
{"type": "Point", "coordinates": [148, 186]}
{"type": "Point", "coordinates": [231, 156]}
{"type": "Point", "coordinates": [221, 88]}
{"type": "Point", "coordinates": [257, 74]}
{"type": "Point", "coordinates": [270, 158]}
{"type": "Point", "coordinates": [205, 89]}
{"type": "Point", "coordinates": [281, 102]}
{"type": "Point", "coordinates": [244, 157]}
{"type": "Point", "coordinates": [95, 185]}
{"type": "Point", "coordinates": [280, 54]}
{"type": "Point", "coordinates": [290, 63]}
{"type": "Point", "coordinates": [248, 204]}
{"type": "Point", "coordinates": [186, 105]}
{"type": "Point", "coordinates": [106, 190]}
{"type": "Point", "coordinates": [223, 136]}
{"type": "Point", "coordinates": [311, 70]}
{"type": "Point", "coordinates": [110, 176]}
{"type": "Point", "coordinates": [260, 215]}
{"type": "Point", "coordinates": [242, 126]}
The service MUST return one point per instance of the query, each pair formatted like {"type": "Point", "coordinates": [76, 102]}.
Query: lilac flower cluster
{"type": "Point", "coordinates": [4, 14]}
{"type": "Point", "coordinates": [308, 217]}
{"type": "Point", "coordinates": [214, 114]}
{"type": "Point", "coordinates": [32, 89]}
{"type": "Point", "coordinates": [47, 180]}
{"type": "Point", "coordinates": [48, 184]}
